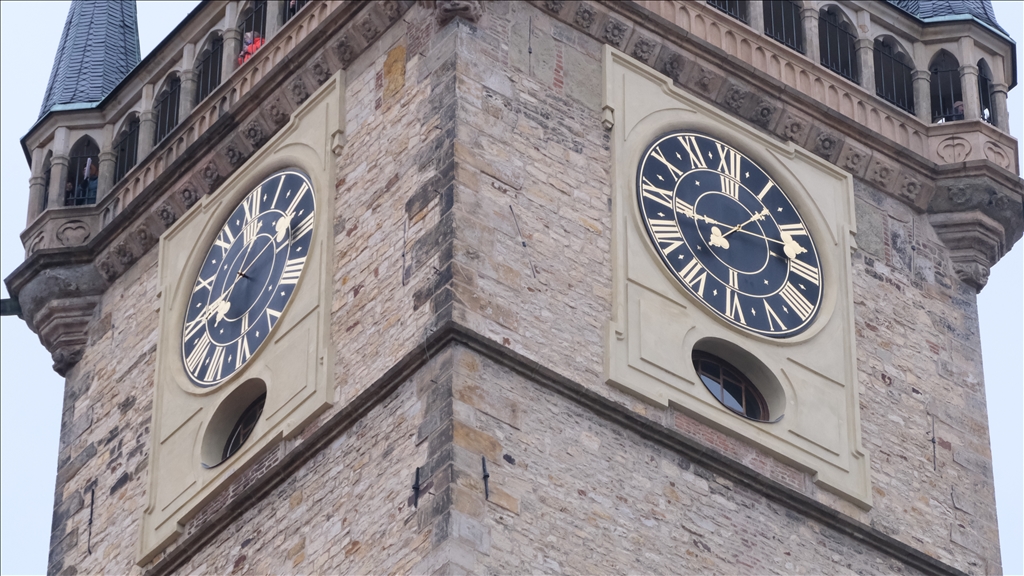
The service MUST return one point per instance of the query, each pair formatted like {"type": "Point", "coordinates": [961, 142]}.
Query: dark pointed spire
{"type": "Point", "coordinates": [98, 48]}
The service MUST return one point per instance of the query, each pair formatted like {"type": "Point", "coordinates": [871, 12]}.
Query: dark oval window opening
{"type": "Point", "coordinates": [734, 390]}
{"type": "Point", "coordinates": [244, 427]}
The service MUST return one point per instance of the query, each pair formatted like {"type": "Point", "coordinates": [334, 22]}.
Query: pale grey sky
{"type": "Point", "coordinates": [31, 393]}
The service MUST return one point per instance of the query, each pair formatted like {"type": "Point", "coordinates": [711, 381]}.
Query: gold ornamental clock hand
{"type": "Point", "coordinates": [759, 216]}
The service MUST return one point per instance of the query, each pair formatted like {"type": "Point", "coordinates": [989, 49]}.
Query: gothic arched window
{"type": "Point", "coordinates": [208, 68]}
{"type": "Point", "coordinates": [126, 149]}
{"type": "Point", "coordinates": [782, 23]}
{"type": "Point", "coordinates": [894, 81]}
{"type": "Point", "coordinates": [837, 43]}
{"type": "Point", "coordinates": [946, 91]}
{"type": "Point", "coordinates": [735, 8]}
{"type": "Point", "coordinates": [83, 173]}
{"type": "Point", "coordinates": [166, 108]}
{"type": "Point", "coordinates": [47, 173]}
{"type": "Point", "coordinates": [254, 30]}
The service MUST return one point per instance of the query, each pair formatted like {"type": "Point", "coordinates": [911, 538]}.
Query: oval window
{"type": "Point", "coordinates": [731, 387]}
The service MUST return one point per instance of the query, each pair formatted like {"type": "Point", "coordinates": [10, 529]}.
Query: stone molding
{"type": "Point", "coordinates": [975, 243]}
{"type": "Point", "coordinates": [450, 333]}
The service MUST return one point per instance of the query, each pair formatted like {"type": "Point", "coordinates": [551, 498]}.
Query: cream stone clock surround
{"type": "Point", "coordinates": [809, 380]}
{"type": "Point", "coordinates": [294, 367]}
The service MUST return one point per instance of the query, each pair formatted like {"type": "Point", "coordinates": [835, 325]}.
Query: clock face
{"type": "Point", "coordinates": [248, 277]}
{"type": "Point", "coordinates": [729, 234]}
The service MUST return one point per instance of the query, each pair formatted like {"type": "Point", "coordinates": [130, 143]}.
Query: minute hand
{"type": "Point", "coordinates": [760, 215]}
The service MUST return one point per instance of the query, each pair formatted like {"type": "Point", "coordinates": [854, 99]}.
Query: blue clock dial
{"type": "Point", "coordinates": [728, 234]}
{"type": "Point", "coordinates": [249, 275]}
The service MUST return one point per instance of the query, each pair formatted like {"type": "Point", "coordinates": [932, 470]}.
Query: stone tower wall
{"type": "Point", "coordinates": [454, 341]}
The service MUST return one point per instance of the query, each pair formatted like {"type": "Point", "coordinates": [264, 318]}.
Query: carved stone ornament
{"type": "Point", "coordinates": [64, 359]}
{"type": "Point", "coordinates": [344, 51]}
{"type": "Point", "coordinates": [234, 155]}
{"type": "Point", "coordinates": [794, 128]}
{"type": "Point", "coordinates": [554, 6]}
{"type": "Point", "coordinates": [735, 98]}
{"type": "Point", "coordinates": [276, 111]}
{"type": "Point", "coordinates": [107, 269]}
{"type": "Point", "coordinates": [73, 233]}
{"type": "Point", "coordinates": [166, 214]}
{"type": "Point", "coordinates": [123, 253]}
{"type": "Point", "coordinates": [763, 112]}
{"type": "Point", "coordinates": [881, 174]}
{"type": "Point", "coordinates": [644, 49]}
{"type": "Point", "coordinates": [188, 197]}
{"type": "Point", "coordinates": [615, 32]}
{"type": "Point", "coordinates": [144, 238]}
{"type": "Point", "coordinates": [953, 149]}
{"type": "Point", "coordinates": [298, 90]}
{"type": "Point", "coordinates": [254, 134]}
{"type": "Point", "coordinates": [368, 29]}
{"type": "Point", "coordinates": [995, 154]}
{"type": "Point", "coordinates": [673, 68]}
{"type": "Point", "coordinates": [826, 145]}
{"type": "Point", "coordinates": [211, 174]}
{"type": "Point", "coordinates": [391, 11]}
{"type": "Point", "coordinates": [584, 16]}
{"type": "Point", "coordinates": [469, 10]}
{"type": "Point", "coordinates": [975, 243]}
{"type": "Point", "coordinates": [320, 70]}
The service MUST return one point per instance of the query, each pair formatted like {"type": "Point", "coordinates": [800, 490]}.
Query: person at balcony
{"type": "Point", "coordinates": [87, 186]}
{"type": "Point", "coordinates": [958, 110]}
{"type": "Point", "coordinates": [251, 42]}
{"type": "Point", "coordinates": [69, 193]}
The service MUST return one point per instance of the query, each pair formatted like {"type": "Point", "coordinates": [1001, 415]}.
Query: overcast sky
{"type": "Point", "coordinates": [32, 393]}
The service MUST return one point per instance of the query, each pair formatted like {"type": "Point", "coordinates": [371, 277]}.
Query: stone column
{"type": "Point", "coordinates": [275, 17]}
{"type": "Point", "coordinates": [232, 37]}
{"type": "Point", "coordinates": [969, 87]}
{"type": "Point", "coordinates": [866, 62]}
{"type": "Point", "coordinates": [999, 106]}
{"type": "Point", "coordinates": [105, 179]}
{"type": "Point", "coordinates": [810, 22]}
{"type": "Point", "coordinates": [922, 95]}
{"type": "Point", "coordinates": [58, 168]}
{"type": "Point", "coordinates": [147, 123]}
{"type": "Point", "coordinates": [36, 190]}
{"type": "Point", "coordinates": [755, 14]}
{"type": "Point", "coordinates": [189, 80]}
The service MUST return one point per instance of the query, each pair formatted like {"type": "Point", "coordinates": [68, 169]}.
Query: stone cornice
{"type": "Point", "coordinates": [451, 333]}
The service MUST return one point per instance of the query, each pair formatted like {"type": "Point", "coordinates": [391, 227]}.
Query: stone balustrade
{"type": "Point", "coordinates": [70, 226]}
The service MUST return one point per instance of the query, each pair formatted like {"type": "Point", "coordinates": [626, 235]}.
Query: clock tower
{"type": "Point", "coordinates": [587, 286]}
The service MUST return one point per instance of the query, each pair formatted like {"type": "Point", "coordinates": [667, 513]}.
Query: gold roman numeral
{"type": "Point", "coordinates": [796, 301]}
{"type": "Point", "coordinates": [694, 275]}
{"type": "Point", "coordinates": [305, 226]}
{"type": "Point", "coordinates": [224, 239]}
{"type": "Point", "coordinates": [734, 280]}
{"type": "Point", "coordinates": [729, 167]}
{"type": "Point", "coordinates": [195, 358]}
{"type": "Point", "coordinates": [773, 316]}
{"type": "Point", "coordinates": [200, 284]}
{"type": "Point", "coordinates": [666, 232]}
{"type": "Point", "coordinates": [676, 172]}
{"type": "Point", "coordinates": [242, 353]}
{"type": "Point", "coordinates": [793, 229]}
{"type": "Point", "coordinates": [765, 190]}
{"type": "Point", "coordinates": [251, 205]}
{"type": "Point", "coordinates": [213, 371]}
{"type": "Point", "coordinates": [684, 208]}
{"type": "Point", "coordinates": [295, 201]}
{"type": "Point", "coordinates": [693, 150]}
{"type": "Point", "coordinates": [292, 270]}
{"type": "Point", "coordinates": [659, 195]}
{"type": "Point", "coordinates": [806, 270]}
{"type": "Point", "coordinates": [733, 308]}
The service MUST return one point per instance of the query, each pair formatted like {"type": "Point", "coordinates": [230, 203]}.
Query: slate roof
{"type": "Point", "coordinates": [934, 9]}
{"type": "Point", "coordinates": [98, 48]}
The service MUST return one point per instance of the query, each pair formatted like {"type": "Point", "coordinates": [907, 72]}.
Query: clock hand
{"type": "Point", "coordinates": [759, 216]}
